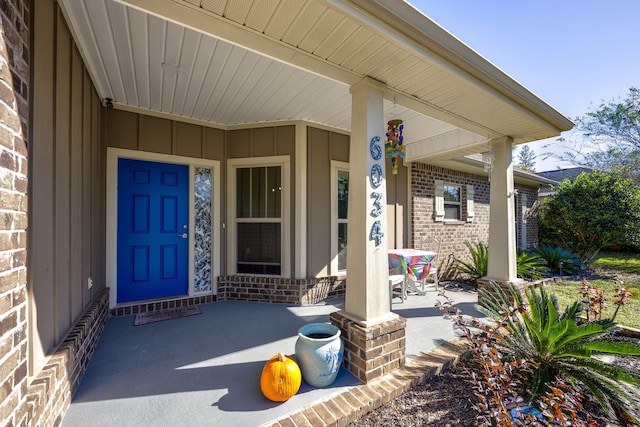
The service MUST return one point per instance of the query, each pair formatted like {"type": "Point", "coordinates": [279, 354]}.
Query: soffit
{"type": "Point", "coordinates": [247, 62]}
{"type": "Point", "coordinates": [474, 165]}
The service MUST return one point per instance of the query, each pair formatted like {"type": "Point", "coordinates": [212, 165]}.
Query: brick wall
{"type": "Point", "coordinates": [251, 288]}
{"type": "Point", "coordinates": [280, 290]}
{"type": "Point", "coordinates": [41, 399]}
{"type": "Point", "coordinates": [143, 307]}
{"type": "Point", "coordinates": [49, 394]}
{"type": "Point", "coordinates": [453, 234]}
{"type": "Point", "coordinates": [14, 113]}
{"type": "Point", "coordinates": [530, 213]}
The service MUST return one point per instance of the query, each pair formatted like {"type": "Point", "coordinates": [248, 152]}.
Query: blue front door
{"type": "Point", "coordinates": [153, 218]}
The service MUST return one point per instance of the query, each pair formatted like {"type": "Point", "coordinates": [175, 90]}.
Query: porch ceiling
{"type": "Point", "coordinates": [234, 63]}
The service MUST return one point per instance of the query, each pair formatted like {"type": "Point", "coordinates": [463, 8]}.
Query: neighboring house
{"type": "Point", "coordinates": [557, 176]}
{"type": "Point", "coordinates": [186, 151]}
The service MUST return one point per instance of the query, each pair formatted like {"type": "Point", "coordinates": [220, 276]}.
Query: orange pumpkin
{"type": "Point", "coordinates": [281, 378]}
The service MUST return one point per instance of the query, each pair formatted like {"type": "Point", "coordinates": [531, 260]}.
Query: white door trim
{"type": "Point", "coordinates": [336, 166]}
{"type": "Point", "coordinates": [111, 265]}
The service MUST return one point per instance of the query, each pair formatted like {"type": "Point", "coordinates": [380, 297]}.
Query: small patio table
{"type": "Point", "coordinates": [413, 264]}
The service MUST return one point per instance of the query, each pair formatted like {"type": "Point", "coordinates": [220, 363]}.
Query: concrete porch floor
{"type": "Point", "coordinates": [204, 370]}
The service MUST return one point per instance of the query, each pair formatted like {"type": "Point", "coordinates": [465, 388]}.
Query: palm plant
{"type": "Point", "coordinates": [559, 345]}
{"type": "Point", "coordinates": [558, 259]}
{"type": "Point", "coordinates": [530, 265]}
{"type": "Point", "coordinates": [477, 267]}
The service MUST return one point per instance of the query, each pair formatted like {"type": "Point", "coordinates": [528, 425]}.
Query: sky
{"type": "Point", "coordinates": [572, 54]}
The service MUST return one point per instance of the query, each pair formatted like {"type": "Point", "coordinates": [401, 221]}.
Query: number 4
{"type": "Point", "coordinates": [376, 233]}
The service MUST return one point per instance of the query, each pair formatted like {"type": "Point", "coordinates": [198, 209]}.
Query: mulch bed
{"type": "Point", "coordinates": [444, 401]}
{"type": "Point", "coordinates": [447, 401]}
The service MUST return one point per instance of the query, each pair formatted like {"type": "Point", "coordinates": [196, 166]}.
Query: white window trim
{"type": "Point", "coordinates": [523, 230]}
{"type": "Point", "coordinates": [336, 167]}
{"type": "Point", "coordinates": [459, 204]}
{"type": "Point", "coordinates": [470, 204]}
{"type": "Point", "coordinates": [285, 250]}
{"type": "Point", "coordinates": [111, 262]}
{"type": "Point", "coordinates": [439, 212]}
{"type": "Point", "coordinates": [439, 201]}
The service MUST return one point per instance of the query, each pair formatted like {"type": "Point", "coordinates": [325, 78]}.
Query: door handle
{"type": "Point", "coordinates": [183, 235]}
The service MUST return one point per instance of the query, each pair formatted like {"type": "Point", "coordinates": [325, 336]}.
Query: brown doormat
{"type": "Point", "coordinates": [169, 313]}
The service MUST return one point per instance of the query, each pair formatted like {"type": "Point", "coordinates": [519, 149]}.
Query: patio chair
{"type": "Point", "coordinates": [432, 244]}
{"type": "Point", "coordinates": [397, 287]}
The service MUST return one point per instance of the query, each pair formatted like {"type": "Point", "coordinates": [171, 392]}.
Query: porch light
{"type": "Point", "coordinates": [394, 147]}
{"type": "Point", "coordinates": [487, 158]}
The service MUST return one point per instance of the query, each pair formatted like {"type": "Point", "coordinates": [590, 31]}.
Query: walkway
{"type": "Point", "coordinates": [204, 370]}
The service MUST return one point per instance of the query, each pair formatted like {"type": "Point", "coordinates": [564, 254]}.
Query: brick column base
{"type": "Point", "coordinates": [371, 351]}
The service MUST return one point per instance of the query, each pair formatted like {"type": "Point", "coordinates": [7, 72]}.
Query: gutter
{"type": "Point", "coordinates": [518, 174]}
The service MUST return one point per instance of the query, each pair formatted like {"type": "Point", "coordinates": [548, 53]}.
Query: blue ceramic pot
{"type": "Point", "coordinates": [319, 352]}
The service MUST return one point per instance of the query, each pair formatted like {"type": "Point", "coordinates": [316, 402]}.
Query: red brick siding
{"type": "Point", "coordinates": [453, 234]}
{"type": "Point", "coordinates": [280, 290]}
{"type": "Point", "coordinates": [531, 214]}
{"type": "Point", "coordinates": [49, 394]}
{"type": "Point", "coordinates": [14, 114]}
{"type": "Point", "coordinates": [371, 352]}
{"type": "Point", "coordinates": [143, 307]}
{"type": "Point", "coordinates": [40, 400]}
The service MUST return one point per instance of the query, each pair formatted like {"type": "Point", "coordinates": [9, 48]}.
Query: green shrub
{"type": "Point", "coordinates": [593, 211]}
{"type": "Point", "coordinates": [559, 260]}
{"type": "Point", "coordinates": [477, 267]}
{"type": "Point", "coordinates": [559, 345]}
{"type": "Point", "coordinates": [531, 266]}
{"type": "Point", "coordinates": [498, 380]}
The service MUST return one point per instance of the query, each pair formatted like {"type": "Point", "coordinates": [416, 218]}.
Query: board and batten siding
{"type": "Point", "coordinates": [397, 205]}
{"type": "Point", "coordinates": [140, 132]}
{"type": "Point", "coordinates": [66, 235]}
{"type": "Point", "coordinates": [324, 146]}
{"type": "Point", "coordinates": [134, 131]}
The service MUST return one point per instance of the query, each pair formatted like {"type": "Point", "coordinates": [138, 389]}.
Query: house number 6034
{"type": "Point", "coordinates": [376, 177]}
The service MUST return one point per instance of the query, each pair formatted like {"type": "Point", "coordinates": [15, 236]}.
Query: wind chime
{"type": "Point", "coordinates": [394, 147]}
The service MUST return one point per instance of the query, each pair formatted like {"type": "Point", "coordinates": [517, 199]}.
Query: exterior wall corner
{"type": "Point", "coordinates": [14, 146]}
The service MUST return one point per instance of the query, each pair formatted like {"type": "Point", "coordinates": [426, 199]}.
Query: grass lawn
{"type": "Point", "coordinates": [623, 263]}
{"type": "Point", "coordinates": [608, 266]}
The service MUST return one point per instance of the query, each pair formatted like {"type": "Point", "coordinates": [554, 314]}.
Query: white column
{"type": "Point", "coordinates": [502, 233]}
{"type": "Point", "coordinates": [367, 296]}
